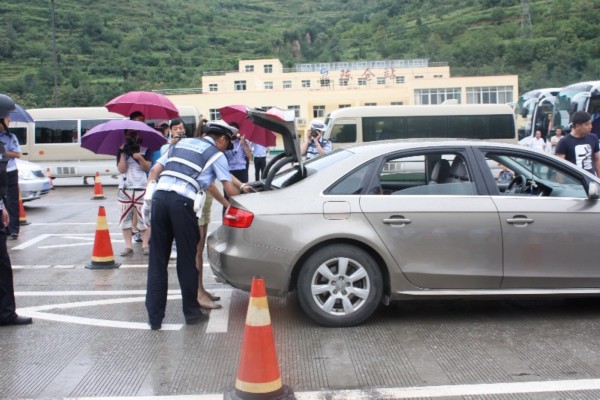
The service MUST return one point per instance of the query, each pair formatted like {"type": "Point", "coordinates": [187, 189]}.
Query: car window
{"type": "Point", "coordinates": [524, 175]}
{"type": "Point", "coordinates": [357, 182]}
{"type": "Point", "coordinates": [427, 174]}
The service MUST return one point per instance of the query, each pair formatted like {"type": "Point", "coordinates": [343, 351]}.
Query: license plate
{"type": "Point", "coordinates": [47, 186]}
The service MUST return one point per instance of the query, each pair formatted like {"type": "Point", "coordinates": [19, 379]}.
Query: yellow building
{"type": "Point", "coordinates": [314, 90]}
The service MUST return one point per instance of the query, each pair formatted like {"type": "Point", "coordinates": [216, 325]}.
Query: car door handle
{"type": "Point", "coordinates": [396, 220]}
{"type": "Point", "coordinates": [519, 220]}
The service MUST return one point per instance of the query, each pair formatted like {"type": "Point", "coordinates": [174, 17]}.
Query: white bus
{"type": "Point", "coordinates": [582, 96]}
{"type": "Point", "coordinates": [533, 112]}
{"type": "Point", "coordinates": [472, 121]}
{"type": "Point", "coordinates": [54, 139]}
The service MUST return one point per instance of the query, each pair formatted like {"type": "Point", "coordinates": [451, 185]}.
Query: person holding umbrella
{"type": "Point", "coordinates": [183, 173]}
{"type": "Point", "coordinates": [8, 315]}
{"type": "Point", "coordinates": [132, 162]}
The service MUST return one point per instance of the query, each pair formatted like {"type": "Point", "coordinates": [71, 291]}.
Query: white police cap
{"type": "Point", "coordinates": [221, 127]}
{"type": "Point", "coordinates": [318, 125]}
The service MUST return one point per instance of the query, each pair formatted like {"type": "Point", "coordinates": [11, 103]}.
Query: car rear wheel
{"type": "Point", "coordinates": [339, 285]}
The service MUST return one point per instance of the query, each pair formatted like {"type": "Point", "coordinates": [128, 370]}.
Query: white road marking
{"type": "Point", "coordinates": [31, 242]}
{"type": "Point", "coordinates": [88, 237]}
{"type": "Point", "coordinates": [219, 325]}
{"type": "Point", "coordinates": [407, 393]}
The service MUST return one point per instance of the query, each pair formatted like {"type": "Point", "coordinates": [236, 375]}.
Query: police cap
{"type": "Point", "coordinates": [6, 105]}
{"type": "Point", "coordinates": [220, 128]}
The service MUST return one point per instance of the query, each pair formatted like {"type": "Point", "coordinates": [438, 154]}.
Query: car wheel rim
{"type": "Point", "coordinates": [340, 286]}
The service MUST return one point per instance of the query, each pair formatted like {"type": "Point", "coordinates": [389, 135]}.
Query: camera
{"type": "Point", "coordinates": [314, 133]}
{"type": "Point", "coordinates": [132, 145]}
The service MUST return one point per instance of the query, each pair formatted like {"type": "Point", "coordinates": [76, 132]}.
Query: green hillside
{"type": "Point", "coordinates": [105, 48]}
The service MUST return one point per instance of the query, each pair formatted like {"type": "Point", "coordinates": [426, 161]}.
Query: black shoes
{"type": "Point", "coordinates": [155, 327]}
{"type": "Point", "coordinates": [14, 236]}
{"type": "Point", "coordinates": [17, 321]}
{"type": "Point", "coordinates": [196, 320]}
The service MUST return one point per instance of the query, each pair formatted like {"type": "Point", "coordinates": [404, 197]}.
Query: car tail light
{"type": "Point", "coordinates": [237, 218]}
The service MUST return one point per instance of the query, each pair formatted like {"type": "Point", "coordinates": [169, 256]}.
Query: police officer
{"type": "Point", "coordinates": [184, 172]}
{"type": "Point", "coordinates": [8, 315]}
{"type": "Point", "coordinates": [314, 143]}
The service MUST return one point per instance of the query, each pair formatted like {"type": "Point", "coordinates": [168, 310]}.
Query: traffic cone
{"type": "Point", "coordinates": [258, 374]}
{"type": "Point", "coordinates": [98, 193]}
{"type": "Point", "coordinates": [22, 215]}
{"type": "Point", "coordinates": [102, 255]}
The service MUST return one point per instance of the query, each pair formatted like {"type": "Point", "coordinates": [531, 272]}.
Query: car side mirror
{"type": "Point", "coordinates": [593, 191]}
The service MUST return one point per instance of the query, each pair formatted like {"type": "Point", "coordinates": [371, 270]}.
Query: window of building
{"type": "Point", "coordinates": [362, 81]}
{"type": "Point", "coordinates": [436, 96]}
{"type": "Point", "coordinates": [318, 111]}
{"type": "Point", "coordinates": [296, 110]}
{"type": "Point", "coordinates": [249, 68]}
{"type": "Point", "coordinates": [214, 114]}
{"type": "Point", "coordinates": [343, 82]}
{"type": "Point", "coordinates": [344, 106]}
{"type": "Point", "coordinates": [268, 85]}
{"type": "Point", "coordinates": [381, 80]}
{"type": "Point", "coordinates": [325, 82]}
{"type": "Point", "coordinates": [370, 104]}
{"type": "Point", "coordinates": [418, 76]}
{"type": "Point", "coordinates": [287, 84]}
{"type": "Point", "coordinates": [240, 85]}
{"type": "Point", "coordinates": [438, 76]}
{"type": "Point", "coordinates": [305, 83]}
{"type": "Point", "coordinates": [213, 87]}
{"type": "Point", "coordinates": [397, 103]}
{"type": "Point", "coordinates": [400, 80]}
{"type": "Point", "coordinates": [490, 95]}
{"type": "Point", "coordinates": [268, 68]}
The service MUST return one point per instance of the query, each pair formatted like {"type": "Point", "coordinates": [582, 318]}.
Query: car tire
{"type": "Point", "coordinates": [336, 299]}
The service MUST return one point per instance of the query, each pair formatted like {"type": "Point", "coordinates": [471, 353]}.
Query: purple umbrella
{"type": "Point", "coordinates": [20, 115]}
{"type": "Point", "coordinates": [106, 138]}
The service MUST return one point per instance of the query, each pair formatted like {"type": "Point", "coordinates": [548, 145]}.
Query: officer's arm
{"type": "Point", "coordinates": [155, 172]}
{"type": "Point", "coordinates": [216, 193]}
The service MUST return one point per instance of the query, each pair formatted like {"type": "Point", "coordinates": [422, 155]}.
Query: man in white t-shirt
{"type": "Point", "coordinates": [537, 143]}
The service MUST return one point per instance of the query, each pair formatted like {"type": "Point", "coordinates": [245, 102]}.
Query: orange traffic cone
{"type": "Point", "coordinates": [98, 193]}
{"type": "Point", "coordinates": [22, 215]}
{"type": "Point", "coordinates": [102, 255]}
{"type": "Point", "coordinates": [258, 374]}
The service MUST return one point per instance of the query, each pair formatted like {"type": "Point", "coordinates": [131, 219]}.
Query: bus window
{"type": "Point", "coordinates": [427, 127]}
{"type": "Point", "coordinates": [20, 133]}
{"type": "Point", "coordinates": [501, 127]}
{"type": "Point", "coordinates": [59, 131]}
{"type": "Point", "coordinates": [87, 124]}
{"type": "Point", "coordinates": [343, 133]}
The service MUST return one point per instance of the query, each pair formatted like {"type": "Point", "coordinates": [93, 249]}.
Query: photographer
{"type": "Point", "coordinates": [132, 162]}
{"type": "Point", "coordinates": [314, 143]}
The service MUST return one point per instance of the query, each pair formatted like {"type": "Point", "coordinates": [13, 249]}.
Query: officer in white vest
{"type": "Point", "coordinates": [181, 176]}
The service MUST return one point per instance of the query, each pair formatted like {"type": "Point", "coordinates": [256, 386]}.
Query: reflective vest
{"type": "Point", "coordinates": [188, 158]}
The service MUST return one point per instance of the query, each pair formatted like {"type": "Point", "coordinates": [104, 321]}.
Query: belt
{"type": "Point", "coordinates": [260, 156]}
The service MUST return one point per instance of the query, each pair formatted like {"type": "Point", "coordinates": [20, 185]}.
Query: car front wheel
{"type": "Point", "coordinates": [339, 285]}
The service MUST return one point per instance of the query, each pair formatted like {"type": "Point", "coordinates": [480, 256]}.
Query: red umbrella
{"type": "Point", "coordinates": [256, 134]}
{"type": "Point", "coordinates": [152, 105]}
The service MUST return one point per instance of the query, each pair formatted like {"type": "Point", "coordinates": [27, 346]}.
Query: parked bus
{"type": "Point", "coordinates": [533, 112]}
{"type": "Point", "coordinates": [582, 96]}
{"type": "Point", "coordinates": [54, 139]}
{"type": "Point", "coordinates": [473, 121]}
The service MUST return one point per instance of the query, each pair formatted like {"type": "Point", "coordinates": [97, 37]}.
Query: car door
{"type": "Point", "coordinates": [441, 232]}
{"type": "Point", "coordinates": [550, 230]}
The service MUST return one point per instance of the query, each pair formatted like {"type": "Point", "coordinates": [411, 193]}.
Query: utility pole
{"type": "Point", "coordinates": [526, 28]}
{"type": "Point", "coordinates": [54, 58]}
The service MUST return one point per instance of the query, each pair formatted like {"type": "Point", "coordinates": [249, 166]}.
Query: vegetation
{"type": "Point", "coordinates": [105, 48]}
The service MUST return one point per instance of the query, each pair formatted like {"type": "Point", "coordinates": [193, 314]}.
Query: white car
{"type": "Point", "coordinates": [33, 182]}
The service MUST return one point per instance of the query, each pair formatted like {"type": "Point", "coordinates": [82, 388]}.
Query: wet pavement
{"type": "Point", "coordinates": [90, 338]}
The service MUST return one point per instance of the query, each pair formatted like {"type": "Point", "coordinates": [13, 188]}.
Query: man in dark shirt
{"type": "Point", "coordinates": [580, 147]}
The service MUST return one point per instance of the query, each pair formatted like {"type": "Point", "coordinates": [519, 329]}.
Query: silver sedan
{"type": "Point", "coordinates": [385, 221]}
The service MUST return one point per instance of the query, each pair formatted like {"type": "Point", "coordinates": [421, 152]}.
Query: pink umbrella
{"type": "Point", "coordinates": [152, 105]}
{"type": "Point", "coordinates": [106, 138]}
{"type": "Point", "coordinates": [256, 134]}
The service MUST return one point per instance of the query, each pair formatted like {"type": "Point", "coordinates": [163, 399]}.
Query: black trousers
{"type": "Point", "coordinates": [259, 167]}
{"type": "Point", "coordinates": [7, 291]}
{"type": "Point", "coordinates": [173, 217]}
{"type": "Point", "coordinates": [12, 202]}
